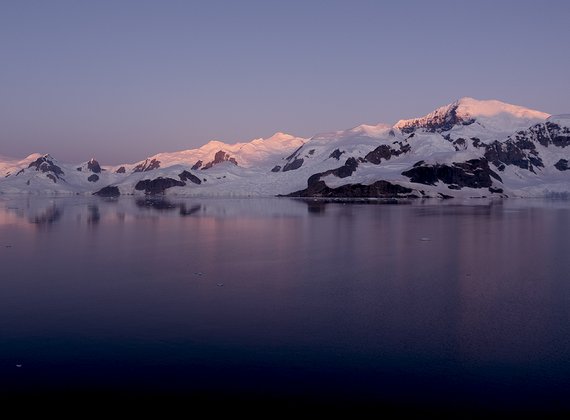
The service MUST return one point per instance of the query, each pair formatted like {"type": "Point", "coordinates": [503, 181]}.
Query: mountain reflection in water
{"type": "Point", "coordinates": [427, 304]}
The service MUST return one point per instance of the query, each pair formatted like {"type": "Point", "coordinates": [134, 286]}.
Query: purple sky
{"type": "Point", "coordinates": [120, 80]}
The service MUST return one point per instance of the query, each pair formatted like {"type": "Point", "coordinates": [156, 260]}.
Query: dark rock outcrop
{"type": "Point", "coordinates": [294, 154]}
{"type": "Point", "coordinates": [547, 133]}
{"type": "Point", "coordinates": [518, 152]}
{"type": "Point", "coordinates": [293, 160]}
{"type": "Point", "coordinates": [521, 148]}
{"type": "Point", "coordinates": [108, 191]}
{"type": "Point", "coordinates": [93, 178]}
{"type": "Point", "coordinates": [459, 144]}
{"type": "Point", "coordinates": [474, 173]}
{"type": "Point", "coordinates": [562, 165]}
{"type": "Point", "coordinates": [46, 165]}
{"type": "Point", "coordinates": [476, 142]}
{"type": "Point", "coordinates": [197, 165]}
{"type": "Point", "coordinates": [379, 189]}
{"type": "Point", "coordinates": [559, 136]}
{"type": "Point", "coordinates": [219, 157]}
{"type": "Point", "coordinates": [187, 176]}
{"type": "Point", "coordinates": [294, 164]}
{"type": "Point", "coordinates": [121, 170]}
{"type": "Point", "coordinates": [276, 168]}
{"type": "Point", "coordinates": [94, 166]}
{"type": "Point", "coordinates": [147, 165]}
{"type": "Point", "coordinates": [386, 152]}
{"type": "Point", "coordinates": [336, 154]}
{"type": "Point", "coordinates": [438, 122]}
{"type": "Point", "coordinates": [343, 171]}
{"type": "Point", "coordinates": [158, 185]}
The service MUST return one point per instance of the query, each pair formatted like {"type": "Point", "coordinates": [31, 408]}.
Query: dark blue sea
{"type": "Point", "coordinates": [455, 306]}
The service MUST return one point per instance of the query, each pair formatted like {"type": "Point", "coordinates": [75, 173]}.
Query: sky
{"type": "Point", "coordinates": [120, 80]}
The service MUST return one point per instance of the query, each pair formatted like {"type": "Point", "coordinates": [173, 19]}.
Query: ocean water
{"type": "Point", "coordinates": [423, 305]}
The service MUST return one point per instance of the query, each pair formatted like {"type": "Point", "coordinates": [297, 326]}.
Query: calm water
{"type": "Point", "coordinates": [425, 304]}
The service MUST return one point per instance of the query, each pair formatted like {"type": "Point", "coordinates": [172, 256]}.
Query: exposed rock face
{"type": "Point", "coordinates": [187, 176]}
{"type": "Point", "coordinates": [219, 157]}
{"type": "Point", "coordinates": [158, 185]}
{"type": "Point", "coordinates": [314, 186]}
{"type": "Point", "coordinates": [379, 189]}
{"type": "Point", "coordinates": [108, 191]}
{"type": "Point", "coordinates": [521, 148]}
{"type": "Point", "coordinates": [94, 166]}
{"type": "Point", "coordinates": [197, 165]}
{"type": "Point", "coordinates": [476, 142]}
{"type": "Point", "coordinates": [294, 154]}
{"type": "Point", "coordinates": [121, 170]}
{"type": "Point", "coordinates": [386, 152]}
{"type": "Point", "coordinates": [562, 165]}
{"type": "Point", "coordinates": [474, 173]}
{"type": "Point", "coordinates": [293, 161]}
{"type": "Point", "coordinates": [93, 178]}
{"type": "Point", "coordinates": [46, 165]}
{"type": "Point", "coordinates": [438, 121]}
{"type": "Point", "coordinates": [336, 154]}
{"type": "Point", "coordinates": [559, 136]}
{"type": "Point", "coordinates": [548, 133]}
{"type": "Point", "coordinates": [276, 168]}
{"type": "Point", "coordinates": [520, 152]}
{"type": "Point", "coordinates": [345, 170]}
{"type": "Point", "coordinates": [460, 144]}
{"type": "Point", "coordinates": [147, 166]}
{"type": "Point", "coordinates": [295, 164]}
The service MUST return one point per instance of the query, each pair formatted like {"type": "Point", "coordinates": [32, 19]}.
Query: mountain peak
{"type": "Point", "coordinates": [371, 130]}
{"type": "Point", "coordinates": [492, 107]}
{"type": "Point", "coordinates": [491, 114]}
{"type": "Point", "coordinates": [279, 136]}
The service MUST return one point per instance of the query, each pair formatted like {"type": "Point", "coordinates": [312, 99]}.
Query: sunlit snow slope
{"type": "Point", "coordinates": [468, 148]}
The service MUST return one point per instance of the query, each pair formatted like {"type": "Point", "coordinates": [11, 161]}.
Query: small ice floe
{"type": "Point", "coordinates": [19, 366]}
{"type": "Point", "coordinates": [425, 239]}
{"type": "Point", "coordinates": [220, 284]}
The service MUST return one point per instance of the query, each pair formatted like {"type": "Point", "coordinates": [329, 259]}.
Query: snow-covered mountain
{"type": "Point", "coordinates": [469, 148]}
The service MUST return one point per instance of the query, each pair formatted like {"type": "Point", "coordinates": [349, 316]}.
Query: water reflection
{"type": "Point", "coordinates": [94, 216]}
{"type": "Point", "coordinates": [164, 204]}
{"type": "Point", "coordinates": [46, 216]}
{"type": "Point", "coordinates": [427, 299]}
{"type": "Point", "coordinates": [157, 203]}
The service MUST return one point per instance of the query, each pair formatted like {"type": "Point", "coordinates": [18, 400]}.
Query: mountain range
{"type": "Point", "coordinates": [469, 148]}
